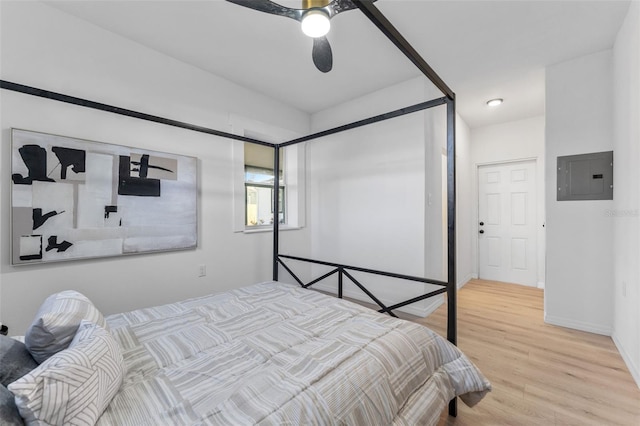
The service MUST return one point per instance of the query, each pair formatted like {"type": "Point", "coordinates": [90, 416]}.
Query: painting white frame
{"type": "Point", "coordinates": [77, 199]}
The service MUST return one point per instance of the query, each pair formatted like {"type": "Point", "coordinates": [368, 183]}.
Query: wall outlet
{"type": "Point", "coordinates": [202, 270]}
{"type": "Point", "coordinates": [624, 288]}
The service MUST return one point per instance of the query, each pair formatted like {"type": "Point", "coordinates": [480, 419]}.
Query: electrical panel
{"type": "Point", "coordinates": [585, 177]}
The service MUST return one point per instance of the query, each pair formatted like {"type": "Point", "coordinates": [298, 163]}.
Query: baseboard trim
{"type": "Point", "coordinates": [469, 277]}
{"type": "Point", "coordinates": [541, 284]}
{"type": "Point", "coordinates": [432, 304]}
{"type": "Point", "coordinates": [578, 325]}
{"type": "Point", "coordinates": [633, 369]}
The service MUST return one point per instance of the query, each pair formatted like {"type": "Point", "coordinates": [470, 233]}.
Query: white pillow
{"type": "Point", "coordinates": [75, 385]}
{"type": "Point", "coordinates": [56, 323]}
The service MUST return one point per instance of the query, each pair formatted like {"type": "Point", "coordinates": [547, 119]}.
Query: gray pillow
{"type": "Point", "coordinates": [57, 321]}
{"type": "Point", "coordinates": [15, 360]}
{"type": "Point", "coordinates": [9, 414]}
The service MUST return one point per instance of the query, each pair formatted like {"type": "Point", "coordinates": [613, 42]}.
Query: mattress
{"type": "Point", "coordinates": [277, 354]}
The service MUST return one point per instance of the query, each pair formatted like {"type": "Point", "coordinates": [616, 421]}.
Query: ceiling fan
{"type": "Point", "coordinates": [314, 19]}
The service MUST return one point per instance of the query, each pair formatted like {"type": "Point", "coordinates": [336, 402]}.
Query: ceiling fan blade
{"type": "Point", "coordinates": [322, 56]}
{"type": "Point", "coordinates": [338, 6]}
{"type": "Point", "coordinates": [268, 6]}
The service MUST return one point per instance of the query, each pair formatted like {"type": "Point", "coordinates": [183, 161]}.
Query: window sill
{"type": "Point", "coordinates": [258, 230]}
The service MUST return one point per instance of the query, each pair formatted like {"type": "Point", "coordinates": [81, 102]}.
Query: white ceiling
{"type": "Point", "coordinates": [481, 49]}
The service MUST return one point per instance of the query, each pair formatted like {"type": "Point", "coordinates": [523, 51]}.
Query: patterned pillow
{"type": "Point", "coordinates": [75, 385]}
{"type": "Point", "coordinates": [57, 321]}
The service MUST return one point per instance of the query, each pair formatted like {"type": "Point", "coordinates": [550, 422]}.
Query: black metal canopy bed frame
{"type": "Point", "coordinates": [448, 99]}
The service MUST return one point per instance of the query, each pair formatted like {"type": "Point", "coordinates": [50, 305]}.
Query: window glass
{"type": "Point", "coordinates": [259, 196]}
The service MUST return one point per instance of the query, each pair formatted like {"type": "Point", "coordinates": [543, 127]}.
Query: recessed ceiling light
{"type": "Point", "coordinates": [495, 102]}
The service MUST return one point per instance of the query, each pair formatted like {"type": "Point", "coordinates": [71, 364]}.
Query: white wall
{"type": "Point", "coordinates": [507, 142]}
{"type": "Point", "coordinates": [464, 202]}
{"type": "Point", "coordinates": [626, 203]}
{"type": "Point", "coordinates": [366, 191]}
{"type": "Point", "coordinates": [369, 189]}
{"type": "Point", "coordinates": [45, 48]}
{"type": "Point", "coordinates": [579, 119]}
{"type": "Point", "coordinates": [511, 141]}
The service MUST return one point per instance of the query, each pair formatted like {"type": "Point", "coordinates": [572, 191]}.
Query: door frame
{"type": "Point", "coordinates": [539, 219]}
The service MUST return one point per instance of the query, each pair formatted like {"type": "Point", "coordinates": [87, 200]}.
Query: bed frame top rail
{"type": "Point", "coordinates": [343, 271]}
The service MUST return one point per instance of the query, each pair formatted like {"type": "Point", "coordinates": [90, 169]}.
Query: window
{"type": "Point", "coordinates": [258, 185]}
{"type": "Point", "coordinates": [253, 178]}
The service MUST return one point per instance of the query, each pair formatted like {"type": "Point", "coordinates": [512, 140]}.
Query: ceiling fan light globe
{"type": "Point", "coordinates": [315, 23]}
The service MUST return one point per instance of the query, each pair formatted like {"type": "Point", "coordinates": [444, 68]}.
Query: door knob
{"type": "Point", "coordinates": [481, 223]}
{"type": "Point", "coordinates": [481, 231]}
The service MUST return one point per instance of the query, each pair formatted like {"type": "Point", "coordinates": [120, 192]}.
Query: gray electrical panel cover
{"type": "Point", "coordinates": [586, 176]}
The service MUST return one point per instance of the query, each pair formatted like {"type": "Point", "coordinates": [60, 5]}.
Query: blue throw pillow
{"type": "Point", "coordinates": [9, 414]}
{"type": "Point", "coordinates": [15, 360]}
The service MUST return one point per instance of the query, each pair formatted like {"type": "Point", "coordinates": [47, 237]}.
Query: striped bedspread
{"type": "Point", "coordinates": [276, 354]}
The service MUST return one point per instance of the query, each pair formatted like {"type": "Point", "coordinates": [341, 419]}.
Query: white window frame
{"type": "Point", "coordinates": [293, 170]}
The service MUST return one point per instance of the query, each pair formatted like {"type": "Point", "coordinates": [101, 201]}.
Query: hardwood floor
{"type": "Point", "coordinates": [541, 374]}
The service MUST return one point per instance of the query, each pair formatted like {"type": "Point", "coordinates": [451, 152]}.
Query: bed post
{"type": "Point", "coordinates": [452, 332]}
{"type": "Point", "coordinates": [276, 208]}
{"type": "Point", "coordinates": [451, 221]}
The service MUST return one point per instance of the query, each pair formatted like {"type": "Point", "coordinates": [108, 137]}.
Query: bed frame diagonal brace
{"type": "Point", "coordinates": [368, 293]}
{"type": "Point", "coordinates": [327, 275]}
{"type": "Point", "coordinates": [295, 277]}
{"type": "Point", "coordinates": [414, 300]}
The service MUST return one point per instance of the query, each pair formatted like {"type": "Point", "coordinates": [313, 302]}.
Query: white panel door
{"type": "Point", "coordinates": [507, 223]}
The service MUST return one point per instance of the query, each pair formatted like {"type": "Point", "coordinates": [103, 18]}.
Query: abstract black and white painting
{"type": "Point", "coordinates": [74, 199]}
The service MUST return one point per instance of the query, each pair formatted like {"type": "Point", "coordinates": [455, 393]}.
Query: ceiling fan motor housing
{"type": "Point", "coordinates": [310, 4]}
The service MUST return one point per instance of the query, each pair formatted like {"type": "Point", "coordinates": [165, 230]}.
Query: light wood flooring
{"type": "Point", "coordinates": [541, 374]}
